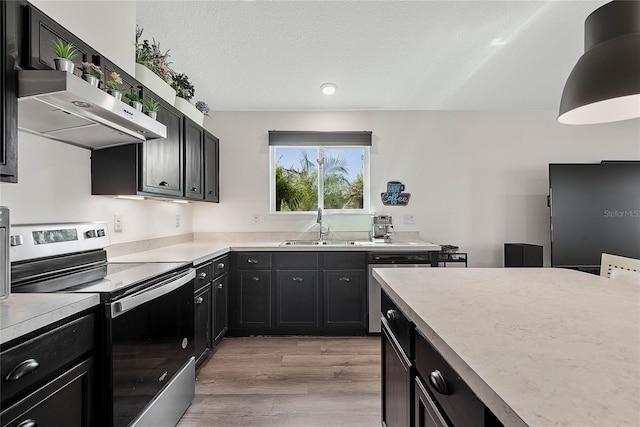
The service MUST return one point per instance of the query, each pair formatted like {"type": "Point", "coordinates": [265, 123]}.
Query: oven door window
{"type": "Point", "coordinates": [150, 344]}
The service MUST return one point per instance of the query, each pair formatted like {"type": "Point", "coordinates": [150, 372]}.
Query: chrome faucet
{"type": "Point", "coordinates": [322, 234]}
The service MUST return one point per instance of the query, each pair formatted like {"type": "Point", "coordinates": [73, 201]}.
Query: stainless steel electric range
{"type": "Point", "coordinates": [146, 364]}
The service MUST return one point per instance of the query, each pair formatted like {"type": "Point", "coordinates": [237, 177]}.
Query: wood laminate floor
{"type": "Point", "coordinates": [289, 381]}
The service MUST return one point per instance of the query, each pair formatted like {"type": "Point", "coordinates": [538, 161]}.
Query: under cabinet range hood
{"type": "Point", "coordinates": [62, 106]}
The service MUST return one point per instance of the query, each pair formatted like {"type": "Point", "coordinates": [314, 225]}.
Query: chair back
{"type": "Point", "coordinates": [620, 268]}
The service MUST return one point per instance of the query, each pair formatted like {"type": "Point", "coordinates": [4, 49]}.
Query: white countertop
{"type": "Point", "coordinates": [199, 252]}
{"type": "Point", "coordinates": [539, 346]}
{"type": "Point", "coordinates": [21, 314]}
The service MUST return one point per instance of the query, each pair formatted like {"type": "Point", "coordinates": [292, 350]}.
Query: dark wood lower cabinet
{"type": "Point", "coordinates": [396, 383]}
{"type": "Point", "coordinates": [254, 300]}
{"type": "Point", "coordinates": [64, 401]}
{"type": "Point", "coordinates": [426, 413]}
{"type": "Point", "coordinates": [345, 299]}
{"type": "Point", "coordinates": [220, 307]}
{"type": "Point", "coordinates": [297, 299]}
{"type": "Point", "coordinates": [202, 325]}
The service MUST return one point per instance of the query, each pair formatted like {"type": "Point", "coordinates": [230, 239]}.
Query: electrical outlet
{"type": "Point", "coordinates": [178, 220]}
{"type": "Point", "coordinates": [256, 219]}
{"type": "Point", "coordinates": [117, 222]}
{"type": "Point", "coordinates": [409, 219]}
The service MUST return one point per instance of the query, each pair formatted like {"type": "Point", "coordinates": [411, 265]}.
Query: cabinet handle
{"type": "Point", "coordinates": [194, 188]}
{"type": "Point", "coordinates": [210, 191]}
{"type": "Point", "coordinates": [27, 423]}
{"type": "Point", "coordinates": [221, 265]}
{"type": "Point", "coordinates": [297, 279]}
{"type": "Point", "coordinates": [255, 279]}
{"type": "Point", "coordinates": [437, 381]}
{"type": "Point", "coordinates": [344, 279]}
{"type": "Point", "coordinates": [202, 275]}
{"type": "Point", "coordinates": [219, 286]}
{"type": "Point", "coordinates": [252, 261]}
{"type": "Point", "coordinates": [164, 184]}
{"type": "Point", "coordinates": [391, 314]}
{"type": "Point", "coordinates": [199, 300]}
{"type": "Point", "coordinates": [24, 368]}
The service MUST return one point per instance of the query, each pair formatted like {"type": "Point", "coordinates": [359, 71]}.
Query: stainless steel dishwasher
{"type": "Point", "coordinates": [389, 260]}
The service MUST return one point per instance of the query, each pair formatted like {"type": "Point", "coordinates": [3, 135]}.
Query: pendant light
{"type": "Point", "coordinates": [604, 86]}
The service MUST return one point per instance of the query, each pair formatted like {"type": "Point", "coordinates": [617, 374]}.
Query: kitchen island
{"type": "Point", "coordinates": [538, 346]}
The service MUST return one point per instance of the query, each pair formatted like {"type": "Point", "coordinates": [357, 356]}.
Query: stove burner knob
{"type": "Point", "coordinates": [90, 234]}
{"type": "Point", "coordinates": [16, 240]}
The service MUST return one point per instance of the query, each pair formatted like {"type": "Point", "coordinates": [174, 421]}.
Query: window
{"type": "Point", "coordinates": [311, 170]}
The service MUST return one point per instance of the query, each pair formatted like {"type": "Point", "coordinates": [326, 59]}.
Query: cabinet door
{"type": "Point", "coordinates": [194, 173]}
{"type": "Point", "coordinates": [220, 311]}
{"type": "Point", "coordinates": [202, 326]}
{"type": "Point", "coordinates": [344, 299]}
{"type": "Point", "coordinates": [396, 383]}
{"type": "Point", "coordinates": [254, 305]}
{"type": "Point", "coordinates": [426, 413]}
{"type": "Point", "coordinates": [297, 299]}
{"type": "Point", "coordinates": [162, 158]}
{"type": "Point", "coordinates": [8, 95]}
{"type": "Point", "coordinates": [211, 168]}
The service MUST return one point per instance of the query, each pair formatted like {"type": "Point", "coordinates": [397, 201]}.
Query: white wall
{"type": "Point", "coordinates": [477, 179]}
{"type": "Point", "coordinates": [109, 26]}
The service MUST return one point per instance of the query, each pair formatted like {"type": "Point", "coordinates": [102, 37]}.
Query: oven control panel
{"type": "Point", "coordinates": [31, 241]}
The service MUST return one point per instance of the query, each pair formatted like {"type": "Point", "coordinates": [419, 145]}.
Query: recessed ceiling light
{"type": "Point", "coordinates": [328, 88]}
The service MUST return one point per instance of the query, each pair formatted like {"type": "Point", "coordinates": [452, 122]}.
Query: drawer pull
{"type": "Point", "coordinates": [194, 188]}
{"type": "Point", "coordinates": [437, 381]}
{"type": "Point", "coordinates": [255, 279]}
{"type": "Point", "coordinates": [221, 265]}
{"type": "Point", "coordinates": [24, 368]}
{"type": "Point", "coordinates": [219, 286]}
{"type": "Point", "coordinates": [344, 279]}
{"type": "Point", "coordinates": [297, 279]}
{"type": "Point", "coordinates": [202, 275]}
{"type": "Point", "coordinates": [391, 314]}
{"type": "Point", "coordinates": [199, 300]}
{"type": "Point", "coordinates": [163, 184]}
{"type": "Point", "coordinates": [252, 261]}
{"type": "Point", "coordinates": [27, 423]}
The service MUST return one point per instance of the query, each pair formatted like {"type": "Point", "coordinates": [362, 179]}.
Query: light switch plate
{"type": "Point", "coordinates": [117, 223]}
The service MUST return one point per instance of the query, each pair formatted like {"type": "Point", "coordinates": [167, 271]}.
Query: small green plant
{"type": "Point", "coordinates": [183, 87]}
{"type": "Point", "coordinates": [64, 51]}
{"type": "Point", "coordinates": [150, 55]}
{"type": "Point", "coordinates": [114, 81]}
{"type": "Point", "coordinates": [91, 68]}
{"type": "Point", "coordinates": [203, 107]}
{"type": "Point", "coordinates": [151, 105]}
{"type": "Point", "coordinates": [133, 97]}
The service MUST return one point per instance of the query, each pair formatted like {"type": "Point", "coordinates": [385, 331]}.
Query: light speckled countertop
{"type": "Point", "coordinates": [199, 251]}
{"type": "Point", "coordinates": [21, 314]}
{"type": "Point", "coordinates": [539, 346]}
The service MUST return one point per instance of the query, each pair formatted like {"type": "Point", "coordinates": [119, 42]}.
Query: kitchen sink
{"type": "Point", "coordinates": [318, 243]}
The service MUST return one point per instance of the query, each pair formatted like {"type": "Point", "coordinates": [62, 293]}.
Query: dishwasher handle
{"type": "Point", "coordinates": [120, 307]}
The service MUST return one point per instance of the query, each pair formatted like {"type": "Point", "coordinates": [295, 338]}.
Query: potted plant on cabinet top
{"type": "Point", "coordinates": [203, 107]}
{"type": "Point", "coordinates": [184, 92]}
{"type": "Point", "coordinates": [152, 108]}
{"type": "Point", "coordinates": [65, 54]}
{"type": "Point", "coordinates": [113, 85]}
{"type": "Point", "coordinates": [134, 101]}
{"type": "Point", "coordinates": [91, 73]}
{"type": "Point", "coordinates": [152, 68]}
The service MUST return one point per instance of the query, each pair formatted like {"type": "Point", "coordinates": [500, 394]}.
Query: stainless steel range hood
{"type": "Point", "coordinates": [61, 106]}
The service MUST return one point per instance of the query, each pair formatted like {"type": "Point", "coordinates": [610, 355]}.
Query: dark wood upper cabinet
{"type": "Point", "coordinates": [8, 94]}
{"type": "Point", "coordinates": [194, 166]}
{"type": "Point", "coordinates": [211, 168]}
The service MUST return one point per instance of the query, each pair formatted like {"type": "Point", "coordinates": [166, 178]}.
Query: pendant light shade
{"type": "Point", "coordinates": [604, 86]}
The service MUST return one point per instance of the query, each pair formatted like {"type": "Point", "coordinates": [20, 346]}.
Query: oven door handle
{"type": "Point", "coordinates": [120, 307]}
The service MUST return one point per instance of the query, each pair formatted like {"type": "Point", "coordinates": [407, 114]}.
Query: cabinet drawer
{"type": "Point", "coordinates": [296, 260]}
{"type": "Point", "coordinates": [204, 274]}
{"type": "Point", "coordinates": [220, 266]}
{"type": "Point", "coordinates": [247, 260]}
{"type": "Point", "coordinates": [457, 401]}
{"type": "Point", "coordinates": [344, 260]}
{"type": "Point", "coordinates": [398, 323]}
{"type": "Point", "coordinates": [50, 352]}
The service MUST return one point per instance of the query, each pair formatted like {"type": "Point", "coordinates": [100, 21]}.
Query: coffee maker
{"type": "Point", "coordinates": [381, 226]}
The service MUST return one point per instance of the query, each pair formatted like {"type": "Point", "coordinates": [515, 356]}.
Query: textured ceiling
{"type": "Point", "coordinates": [382, 55]}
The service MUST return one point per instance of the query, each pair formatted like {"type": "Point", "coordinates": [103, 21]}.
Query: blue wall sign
{"type": "Point", "coordinates": [394, 195]}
